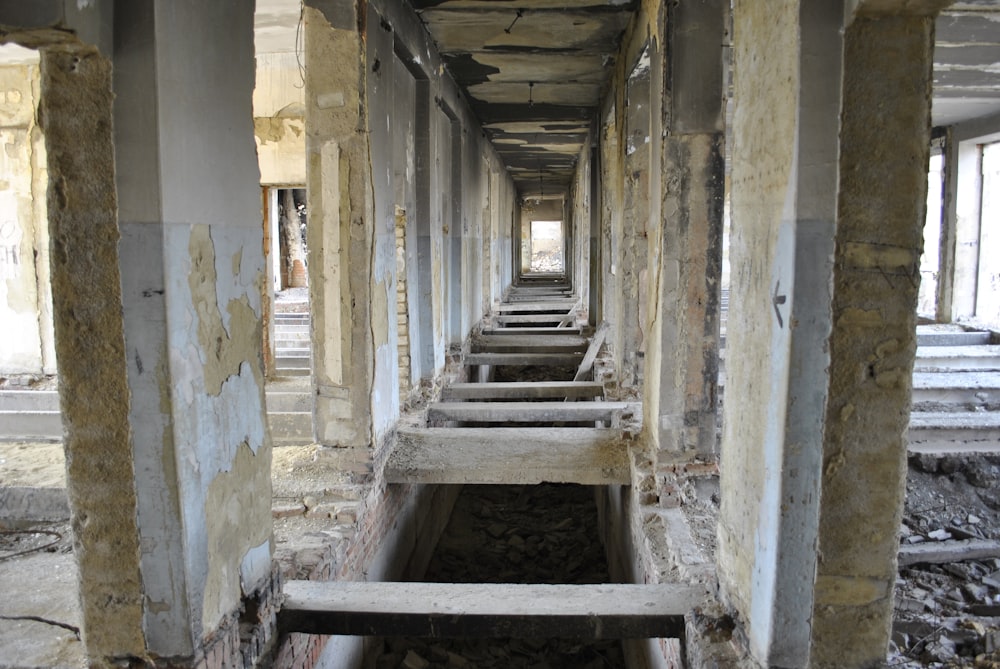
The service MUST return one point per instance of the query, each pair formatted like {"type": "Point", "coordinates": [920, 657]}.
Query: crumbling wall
{"type": "Point", "coordinates": [279, 118]}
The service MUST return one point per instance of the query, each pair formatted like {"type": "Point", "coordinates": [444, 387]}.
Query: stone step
{"type": "Point", "coordinates": [945, 338]}
{"type": "Point", "coordinates": [293, 351]}
{"type": "Point", "coordinates": [29, 400]}
{"type": "Point", "coordinates": [527, 340]}
{"type": "Point", "coordinates": [522, 390]}
{"type": "Point", "coordinates": [31, 426]}
{"type": "Point", "coordinates": [288, 427]}
{"type": "Point", "coordinates": [526, 412]}
{"type": "Point", "coordinates": [957, 358]}
{"type": "Point", "coordinates": [960, 432]}
{"type": "Point", "coordinates": [956, 391]}
{"type": "Point", "coordinates": [478, 610]}
{"type": "Point", "coordinates": [284, 401]}
{"type": "Point", "coordinates": [293, 371]}
{"type": "Point", "coordinates": [509, 455]}
{"type": "Point", "coordinates": [478, 346]}
{"type": "Point", "coordinates": [293, 361]}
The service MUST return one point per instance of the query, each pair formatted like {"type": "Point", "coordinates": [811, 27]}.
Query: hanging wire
{"type": "Point", "coordinates": [520, 13]}
{"type": "Point", "coordinates": [300, 41]}
{"type": "Point", "coordinates": [531, 88]}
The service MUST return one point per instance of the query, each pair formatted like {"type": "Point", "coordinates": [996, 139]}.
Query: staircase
{"type": "Point", "coordinates": [33, 415]}
{"type": "Point", "coordinates": [956, 392]}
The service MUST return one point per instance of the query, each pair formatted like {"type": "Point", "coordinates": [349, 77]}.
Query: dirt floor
{"type": "Point", "coordinates": [947, 614]}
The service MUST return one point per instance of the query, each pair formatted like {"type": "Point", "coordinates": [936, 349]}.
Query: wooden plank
{"type": "Point", "coordinates": [489, 610]}
{"type": "Point", "coordinates": [537, 331]}
{"type": "Point", "coordinates": [509, 455]}
{"type": "Point", "coordinates": [540, 359]}
{"type": "Point", "coordinates": [555, 306]}
{"type": "Point", "coordinates": [940, 552]}
{"type": "Point", "coordinates": [531, 339]}
{"type": "Point", "coordinates": [587, 364]}
{"type": "Point", "coordinates": [522, 390]}
{"type": "Point", "coordinates": [529, 318]}
{"type": "Point", "coordinates": [525, 412]}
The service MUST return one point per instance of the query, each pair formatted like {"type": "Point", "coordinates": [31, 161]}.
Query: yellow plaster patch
{"type": "Point", "coordinates": [237, 519]}
{"type": "Point", "coordinates": [849, 590]}
{"type": "Point", "coordinates": [866, 318]}
{"type": "Point", "coordinates": [223, 351]}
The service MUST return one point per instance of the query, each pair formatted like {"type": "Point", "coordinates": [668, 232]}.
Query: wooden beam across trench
{"type": "Point", "coordinates": [509, 456]}
{"type": "Point", "coordinates": [488, 610]}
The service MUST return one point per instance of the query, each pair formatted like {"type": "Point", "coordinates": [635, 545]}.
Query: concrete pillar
{"type": "Point", "coordinates": [341, 225]}
{"type": "Point", "coordinates": [787, 75]}
{"type": "Point", "coordinates": [885, 140]}
{"type": "Point", "coordinates": [94, 394]}
{"type": "Point", "coordinates": [682, 357]}
{"type": "Point", "coordinates": [192, 270]}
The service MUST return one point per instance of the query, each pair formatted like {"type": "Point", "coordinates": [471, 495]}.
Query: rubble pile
{"type": "Point", "coordinates": [947, 608]}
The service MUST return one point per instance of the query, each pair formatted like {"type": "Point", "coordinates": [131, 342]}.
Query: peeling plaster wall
{"type": "Point", "coordinates": [26, 342]}
{"type": "Point", "coordinates": [192, 268]}
{"type": "Point", "coordinates": [355, 143]}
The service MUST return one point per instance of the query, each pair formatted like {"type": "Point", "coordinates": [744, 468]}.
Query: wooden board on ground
{"type": "Point", "coordinates": [485, 610]}
{"type": "Point", "coordinates": [540, 359]}
{"type": "Point", "coordinates": [522, 390]}
{"type": "Point", "coordinates": [525, 412]}
{"type": "Point", "coordinates": [509, 455]}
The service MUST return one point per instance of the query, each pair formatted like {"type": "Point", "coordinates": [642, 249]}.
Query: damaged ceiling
{"type": "Point", "coordinates": [534, 71]}
{"type": "Point", "coordinates": [967, 61]}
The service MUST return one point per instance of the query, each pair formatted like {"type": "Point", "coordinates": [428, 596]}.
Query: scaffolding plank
{"type": "Point", "coordinates": [509, 455]}
{"type": "Point", "coordinates": [525, 412]}
{"type": "Point", "coordinates": [538, 331]}
{"type": "Point", "coordinates": [489, 610]}
{"type": "Point", "coordinates": [551, 306]}
{"type": "Point", "coordinates": [541, 359]}
{"type": "Point", "coordinates": [522, 390]}
{"type": "Point", "coordinates": [529, 318]}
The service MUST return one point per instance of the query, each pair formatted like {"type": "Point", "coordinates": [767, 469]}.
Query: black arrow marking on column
{"type": "Point", "coordinates": [778, 300]}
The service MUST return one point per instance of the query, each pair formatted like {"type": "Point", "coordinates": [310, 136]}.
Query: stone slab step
{"type": "Point", "coordinates": [292, 371]}
{"type": "Point", "coordinates": [540, 359]}
{"type": "Point", "coordinates": [482, 610]}
{"type": "Point", "coordinates": [29, 504]}
{"type": "Point", "coordinates": [953, 391]}
{"type": "Point", "coordinates": [290, 425]}
{"type": "Point", "coordinates": [289, 401]}
{"type": "Point", "coordinates": [522, 390]}
{"type": "Point", "coordinates": [956, 358]}
{"type": "Point", "coordinates": [938, 338]}
{"type": "Point", "coordinates": [960, 432]}
{"type": "Point", "coordinates": [293, 351]}
{"type": "Point", "coordinates": [525, 412]}
{"type": "Point", "coordinates": [509, 455]}
{"type": "Point", "coordinates": [29, 400]}
{"type": "Point", "coordinates": [293, 361]}
{"type": "Point", "coordinates": [31, 426]}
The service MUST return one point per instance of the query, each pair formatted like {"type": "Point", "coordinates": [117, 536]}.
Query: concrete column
{"type": "Point", "coordinates": [682, 357]}
{"type": "Point", "coordinates": [787, 74]}
{"type": "Point", "coordinates": [341, 226]}
{"type": "Point", "coordinates": [94, 395]}
{"type": "Point", "coordinates": [885, 140]}
{"type": "Point", "coordinates": [192, 269]}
